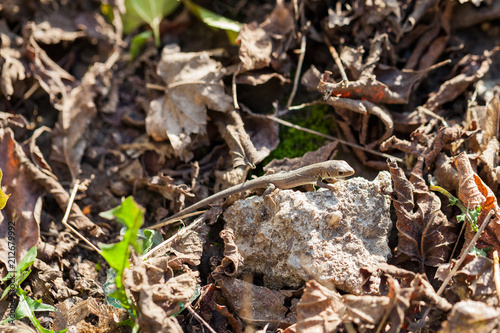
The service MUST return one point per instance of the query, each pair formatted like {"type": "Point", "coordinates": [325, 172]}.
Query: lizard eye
{"type": "Point", "coordinates": [340, 173]}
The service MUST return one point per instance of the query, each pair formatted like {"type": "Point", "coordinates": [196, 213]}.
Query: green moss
{"type": "Point", "coordinates": [295, 143]}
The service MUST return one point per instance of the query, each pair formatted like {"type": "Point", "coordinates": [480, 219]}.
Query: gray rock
{"type": "Point", "coordinates": [292, 236]}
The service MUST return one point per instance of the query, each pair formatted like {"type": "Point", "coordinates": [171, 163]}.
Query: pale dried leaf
{"type": "Point", "coordinates": [193, 85]}
{"type": "Point", "coordinates": [319, 309]}
{"type": "Point", "coordinates": [471, 316]}
{"type": "Point", "coordinates": [255, 47]}
{"type": "Point", "coordinates": [254, 304]}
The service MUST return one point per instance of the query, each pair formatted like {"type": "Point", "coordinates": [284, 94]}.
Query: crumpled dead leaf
{"type": "Point", "coordinates": [12, 69]}
{"type": "Point", "coordinates": [232, 258]}
{"type": "Point", "coordinates": [472, 68]}
{"type": "Point", "coordinates": [405, 292]}
{"type": "Point", "coordinates": [193, 84]}
{"type": "Point", "coordinates": [157, 302]}
{"type": "Point", "coordinates": [474, 280]}
{"type": "Point", "coordinates": [69, 314]}
{"type": "Point", "coordinates": [78, 109]}
{"type": "Point", "coordinates": [51, 77]}
{"type": "Point", "coordinates": [255, 47]}
{"type": "Point", "coordinates": [425, 234]}
{"type": "Point", "coordinates": [319, 309]}
{"type": "Point", "coordinates": [55, 28]}
{"type": "Point", "coordinates": [471, 316]}
{"type": "Point", "coordinates": [255, 305]}
{"type": "Point", "coordinates": [266, 44]}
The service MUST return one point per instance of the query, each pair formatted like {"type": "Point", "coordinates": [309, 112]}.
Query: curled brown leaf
{"type": "Point", "coordinates": [425, 233]}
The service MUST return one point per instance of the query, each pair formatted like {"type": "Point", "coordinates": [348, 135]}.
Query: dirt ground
{"type": "Point", "coordinates": [116, 115]}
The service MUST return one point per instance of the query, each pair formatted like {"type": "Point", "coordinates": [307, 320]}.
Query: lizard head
{"type": "Point", "coordinates": [337, 169]}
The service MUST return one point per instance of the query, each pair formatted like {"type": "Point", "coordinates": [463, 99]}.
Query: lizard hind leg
{"type": "Point", "coordinates": [270, 189]}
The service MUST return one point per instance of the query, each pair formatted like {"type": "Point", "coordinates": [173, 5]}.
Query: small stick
{"type": "Point", "coordinates": [336, 57]}
{"type": "Point", "coordinates": [66, 215]}
{"type": "Point", "coordinates": [197, 316]}
{"type": "Point", "coordinates": [299, 62]}
{"type": "Point", "coordinates": [458, 264]}
{"type": "Point", "coordinates": [432, 114]}
{"type": "Point", "coordinates": [329, 137]}
{"type": "Point", "coordinates": [165, 242]}
{"type": "Point", "coordinates": [496, 273]}
{"type": "Point", "coordinates": [464, 254]}
{"type": "Point", "coordinates": [233, 86]}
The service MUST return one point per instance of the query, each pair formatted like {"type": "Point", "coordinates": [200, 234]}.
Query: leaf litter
{"type": "Point", "coordinates": [174, 123]}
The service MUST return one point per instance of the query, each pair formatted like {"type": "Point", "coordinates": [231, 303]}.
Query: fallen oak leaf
{"type": "Point", "coordinates": [424, 235]}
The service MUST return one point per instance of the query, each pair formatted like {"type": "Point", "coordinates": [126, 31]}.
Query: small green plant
{"type": "Point", "coordinates": [26, 306]}
{"type": "Point", "coordinates": [152, 12]}
{"type": "Point", "coordinates": [480, 252]}
{"type": "Point", "coordinates": [117, 255]}
{"type": "Point", "coordinates": [470, 215]}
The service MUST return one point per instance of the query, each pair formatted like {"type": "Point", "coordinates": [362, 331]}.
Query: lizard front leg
{"type": "Point", "coordinates": [321, 183]}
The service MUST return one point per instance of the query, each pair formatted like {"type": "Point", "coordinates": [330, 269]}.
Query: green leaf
{"type": "Point", "coordinates": [153, 238]}
{"type": "Point", "coordinates": [131, 215]}
{"type": "Point", "coordinates": [22, 271]}
{"type": "Point", "coordinates": [28, 260]}
{"type": "Point", "coordinates": [138, 42]}
{"type": "Point", "coordinates": [116, 255]}
{"type": "Point", "coordinates": [213, 20]}
{"type": "Point", "coordinates": [149, 11]}
{"type": "Point", "coordinates": [3, 197]}
{"type": "Point", "coordinates": [480, 252]}
{"type": "Point", "coordinates": [27, 308]}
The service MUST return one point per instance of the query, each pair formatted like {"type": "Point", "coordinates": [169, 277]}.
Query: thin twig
{"type": "Point", "coordinates": [464, 254]}
{"type": "Point", "coordinates": [496, 273]}
{"type": "Point", "coordinates": [459, 262]}
{"type": "Point", "coordinates": [299, 69]}
{"type": "Point", "coordinates": [197, 316]}
{"type": "Point", "coordinates": [165, 242]}
{"type": "Point", "coordinates": [304, 105]}
{"type": "Point", "coordinates": [233, 86]}
{"type": "Point", "coordinates": [336, 57]}
{"type": "Point", "coordinates": [329, 137]}
{"type": "Point", "coordinates": [432, 114]}
{"type": "Point", "coordinates": [66, 215]}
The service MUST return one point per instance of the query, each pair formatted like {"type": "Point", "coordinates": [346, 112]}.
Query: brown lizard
{"type": "Point", "coordinates": [311, 174]}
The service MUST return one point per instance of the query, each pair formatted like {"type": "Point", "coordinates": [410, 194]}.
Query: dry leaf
{"type": "Point", "coordinates": [473, 67]}
{"type": "Point", "coordinates": [425, 233]}
{"type": "Point", "coordinates": [232, 258]}
{"type": "Point", "coordinates": [471, 316]}
{"type": "Point", "coordinates": [12, 69]}
{"type": "Point", "coordinates": [193, 84]}
{"type": "Point", "coordinates": [319, 309]}
{"type": "Point", "coordinates": [24, 205]}
{"type": "Point", "coordinates": [77, 112]}
{"type": "Point", "coordinates": [255, 47]}
{"type": "Point", "coordinates": [255, 305]}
